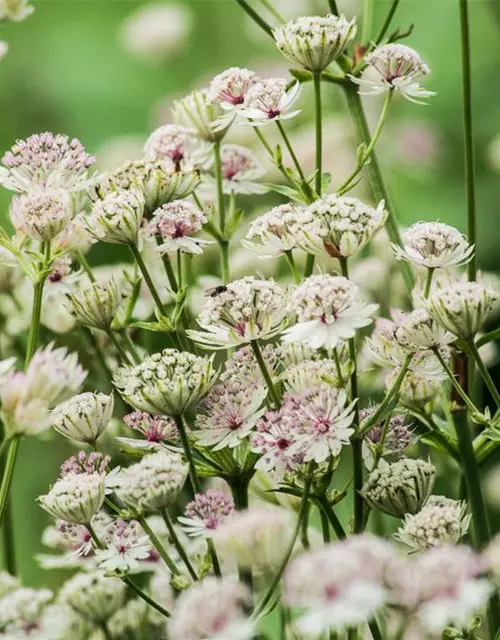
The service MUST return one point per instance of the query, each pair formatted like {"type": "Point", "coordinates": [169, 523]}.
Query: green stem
{"type": "Point", "coordinates": [172, 280]}
{"type": "Point", "coordinates": [457, 386]}
{"type": "Point", "coordinates": [293, 267]}
{"type": "Point", "coordinates": [347, 185]}
{"type": "Point", "coordinates": [309, 265]}
{"type": "Point", "coordinates": [292, 153]}
{"type": "Point", "coordinates": [239, 491]}
{"type": "Point", "coordinates": [224, 261]}
{"type": "Point", "coordinates": [221, 205]}
{"type": "Point", "coordinates": [271, 154]}
{"type": "Point", "coordinates": [147, 277]}
{"type": "Point", "coordinates": [256, 17]}
{"type": "Point", "coordinates": [325, 527]}
{"type": "Point", "coordinates": [9, 541]}
{"type": "Point", "coordinates": [428, 282]}
{"type": "Point", "coordinates": [488, 337]}
{"type": "Point", "coordinates": [85, 265]}
{"type": "Point", "coordinates": [265, 373]}
{"type": "Point", "coordinates": [144, 596]}
{"type": "Point", "coordinates": [367, 21]}
{"type": "Point", "coordinates": [327, 510]}
{"type": "Point", "coordinates": [387, 22]}
{"type": "Point", "coordinates": [131, 347]}
{"type": "Point", "coordinates": [319, 133]}
{"type": "Point", "coordinates": [484, 372]}
{"type": "Point", "coordinates": [105, 631]}
{"type": "Point", "coordinates": [177, 544]}
{"type": "Point", "coordinates": [333, 7]}
{"type": "Point", "coordinates": [378, 185]}
{"type": "Point", "coordinates": [8, 474]}
{"type": "Point", "coordinates": [269, 6]}
{"type": "Point", "coordinates": [468, 134]}
{"type": "Point", "coordinates": [119, 347]}
{"type": "Point", "coordinates": [36, 311]}
{"type": "Point", "coordinates": [158, 546]}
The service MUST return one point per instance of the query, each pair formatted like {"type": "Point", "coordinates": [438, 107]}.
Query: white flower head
{"type": "Point", "coordinates": [15, 10]}
{"type": "Point", "coordinates": [240, 171]}
{"type": "Point", "coordinates": [125, 544]}
{"type": "Point", "coordinates": [47, 160]}
{"type": "Point", "coordinates": [167, 382]}
{"type": "Point", "coordinates": [156, 429]}
{"type": "Point", "coordinates": [197, 112]}
{"type": "Point", "coordinates": [309, 374]}
{"type": "Point", "coordinates": [76, 497]}
{"type": "Point", "coordinates": [340, 225]}
{"type": "Point", "coordinates": [94, 595]}
{"type": "Point", "coordinates": [230, 87]}
{"type": "Point", "coordinates": [137, 614]}
{"type": "Point", "coordinates": [462, 307]}
{"type": "Point", "coordinates": [221, 608]}
{"type": "Point", "coordinates": [419, 331]}
{"type": "Point", "coordinates": [329, 309]}
{"type": "Point", "coordinates": [440, 521]}
{"type": "Point", "coordinates": [178, 146]}
{"type": "Point", "coordinates": [175, 223]}
{"type": "Point", "coordinates": [41, 215]}
{"type": "Point", "coordinates": [96, 304]}
{"type": "Point", "coordinates": [275, 232]}
{"type": "Point", "coordinates": [398, 67]}
{"type": "Point", "coordinates": [269, 100]}
{"type": "Point", "coordinates": [244, 369]}
{"type": "Point", "coordinates": [205, 513]}
{"type": "Point", "coordinates": [117, 218]}
{"type": "Point", "coordinates": [20, 611]}
{"type": "Point", "coordinates": [434, 245]}
{"type": "Point", "coordinates": [315, 42]}
{"type": "Point", "coordinates": [418, 386]}
{"type": "Point", "coordinates": [84, 417]}
{"type": "Point", "coordinates": [75, 237]}
{"type": "Point", "coordinates": [153, 483]}
{"type": "Point", "coordinates": [244, 310]}
{"type": "Point", "coordinates": [398, 437]}
{"type": "Point", "coordinates": [4, 49]}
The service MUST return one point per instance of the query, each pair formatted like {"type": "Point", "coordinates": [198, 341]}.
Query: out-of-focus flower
{"type": "Point", "coordinates": [156, 31]}
{"type": "Point", "coordinates": [240, 171]}
{"type": "Point", "coordinates": [137, 614]}
{"type": "Point", "coordinates": [401, 487]}
{"type": "Point", "coordinates": [4, 48]}
{"type": "Point", "coordinates": [125, 545]}
{"type": "Point", "coordinates": [84, 417]}
{"type": "Point", "coordinates": [175, 223]}
{"type": "Point", "coordinates": [15, 10]}
{"type": "Point", "coordinates": [94, 595]}
{"type": "Point", "coordinates": [208, 119]}
{"type": "Point", "coordinates": [117, 218]}
{"type": "Point", "coordinates": [315, 42]}
{"type": "Point", "coordinates": [244, 310]}
{"type": "Point", "coordinates": [434, 245]}
{"type": "Point", "coordinates": [75, 498]}
{"type": "Point", "coordinates": [230, 87]}
{"type": "Point", "coordinates": [206, 513]}
{"type": "Point", "coordinates": [49, 161]}
{"type": "Point", "coordinates": [440, 521]}
{"type": "Point", "coordinates": [328, 310]}
{"type": "Point", "coordinates": [309, 374]}
{"type": "Point", "coordinates": [221, 608]}
{"type": "Point", "coordinates": [41, 214]}
{"type": "Point", "coordinates": [166, 383]}
{"type": "Point", "coordinates": [419, 331]}
{"type": "Point", "coordinates": [398, 68]}
{"type": "Point", "coordinates": [243, 368]}
{"type": "Point", "coordinates": [179, 146]}
{"type": "Point", "coordinates": [96, 304]}
{"type": "Point", "coordinates": [275, 232]}
{"type": "Point", "coordinates": [21, 609]}
{"type": "Point", "coordinates": [269, 100]}
{"type": "Point", "coordinates": [75, 237]}
{"type": "Point", "coordinates": [398, 436]}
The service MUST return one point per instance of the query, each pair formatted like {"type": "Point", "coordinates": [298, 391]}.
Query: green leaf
{"type": "Point", "coordinates": [288, 192]}
{"type": "Point", "coordinates": [156, 327]}
{"type": "Point", "coordinates": [301, 75]}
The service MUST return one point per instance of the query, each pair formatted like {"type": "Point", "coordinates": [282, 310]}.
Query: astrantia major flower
{"type": "Point", "coordinates": [197, 112]}
{"type": "Point", "coordinates": [167, 382]}
{"type": "Point", "coordinates": [269, 100]}
{"type": "Point", "coordinates": [340, 225]}
{"type": "Point", "coordinates": [117, 218]}
{"type": "Point", "coordinates": [398, 437]}
{"type": "Point", "coordinates": [434, 245]}
{"type": "Point", "coordinates": [20, 611]}
{"type": "Point", "coordinates": [75, 237]}
{"type": "Point", "coordinates": [156, 429]}
{"type": "Point", "coordinates": [315, 42]}
{"type": "Point", "coordinates": [228, 414]}
{"type": "Point", "coordinates": [94, 595]}
{"type": "Point", "coordinates": [308, 374]}
{"type": "Point", "coordinates": [240, 171]}
{"type": "Point", "coordinates": [275, 232]}
{"type": "Point", "coordinates": [419, 331]}
{"type": "Point", "coordinates": [175, 223]}
{"type": "Point", "coordinates": [84, 417]}
{"type": "Point", "coordinates": [339, 586]}
{"type": "Point", "coordinates": [462, 308]}
{"type": "Point", "coordinates": [419, 387]}
{"type": "Point", "coordinates": [398, 68]}
{"type": "Point", "coordinates": [329, 309]}
{"type": "Point", "coordinates": [230, 87]}
{"type": "Point", "coordinates": [48, 161]}
{"type": "Point", "coordinates": [440, 521]}
{"type": "Point", "coordinates": [221, 608]}
{"type": "Point", "coordinates": [205, 513]}
{"type": "Point", "coordinates": [179, 146]}
{"type": "Point", "coordinates": [125, 544]}
{"type": "Point", "coordinates": [76, 497]}
{"type": "Point", "coordinates": [41, 214]}
{"type": "Point", "coordinates": [245, 310]}
{"type": "Point", "coordinates": [96, 304]}
{"type": "Point", "coordinates": [244, 369]}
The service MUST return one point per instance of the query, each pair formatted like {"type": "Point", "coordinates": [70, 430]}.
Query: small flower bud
{"type": "Point", "coordinates": [118, 217]}
{"type": "Point", "coordinates": [94, 595]}
{"type": "Point", "coordinates": [400, 488]}
{"type": "Point", "coordinates": [206, 118]}
{"type": "Point", "coordinates": [75, 498]}
{"type": "Point", "coordinates": [41, 215]}
{"type": "Point", "coordinates": [96, 305]}
{"type": "Point", "coordinates": [84, 417]}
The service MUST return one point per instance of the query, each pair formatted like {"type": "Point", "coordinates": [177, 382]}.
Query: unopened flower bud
{"type": "Point", "coordinates": [206, 118]}
{"type": "Point", "coordinates": [84, 417]}
{"type": "Point", "coordinates": [97, 304]}
{"type": "Point", "coordinates": [75, 498]}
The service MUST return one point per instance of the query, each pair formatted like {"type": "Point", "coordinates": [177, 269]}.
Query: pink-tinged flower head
{"type": "Point", "coordinates": [76, 537]}
{"type": "Point", "coordinates": [125, 544]}
{"type": "Point", "coordinates": [243, 369]}
{"type": "Point", "coordinates": [175, 223]}
{"type": "Point", "coordinates": [206, 512]}
{"type": "Point", "coordinates": [230, 87]}
{"type": "Point", "coordinates": [275, 232]}
{"type": "Point", "coordinates": [85, 463]}
{"type": "Point", "coordinates": [156, 429]}
{"type": "Point", "coordinates": [177, 145]}
{"type": "Point", "coordinates": [269, 100]}
{"type": "Point", "coordinates": [47, 160]}
{"type": "Point", "coordinates": [41, 214]}
{"type": "Point", "coordinates": [241, 170]}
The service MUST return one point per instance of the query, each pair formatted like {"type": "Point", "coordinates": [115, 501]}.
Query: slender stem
{"type": "Point", "coordinates": [484, 372]}
{"type": "Point", "coordinates": [378, 185]}
{"type": "Point", "coordinates": [293, 267]}
{"type": "Point", "coordinates": [428, 282]}
{"type": "Point", "coordinates": [147, 277]}
{"type": "Point", "coordinates": [265, 373]}
{"type": "Point", "coordinates": [367, 21]}
{"type": "Point", "coordinates": [468, 133]}
{"type": "Point", "coordinates": [456, 385]}
{"type": "Point", "coordinates": [8, 474]}
{"type": "Point", "coordinates": [269, 6]}
{"type": "Point", "coordinates": [105, 631]}
{"type": "Point", "coordinates": [119, 347]}
{"type": "Point", "coordinates": [256, 17]}
{"type": "Point", "coordinates": [224, 261]}
{"type": "Point", "coordinates": [387, 21]}
{"type": "Point", "coordinates": [179, 268]}
{"type": "Point", "coordinates": [309, 265]}
{"type": "Point", "coordinates": [144, 596]}
{"type": "Point", "coordinates": [347, 185]}
{"type": "Point", "coordinates": [327, 509]}
{"type": "Point", "coordinates": [270, 152]}
{"type": "Point", "coordinates": [319, 133]}
{"type": "Point", "coordinates": [325, 527]}
{"type": "Point", "coordinates": [239, 491]}
{"type": "Point", "coordinates": [172, 280]}
{"type": "Point", "coordinates": [130, 346]}
{"type": "Point", "coordinates": [338, 367]}
{"type": "Point", "coordinates": [488, 337]}
{"type": "Point", "coordinates": [221, 205]}
{"type": "Point", "coordinates": [292, 153]}
{"type": "Point", "coordinates": [375, 630]}
{"type": "Point", "coordinates": [9, 541]}
{"type": "Point", "coordinates": [134, 296]}
{"type": "Point", "coordinates": [85, 265]}
{"type": "Point", "coordinates": [304, 530]}
{"type": "Point", "coordinates": [36, 311]}
{"type": "Point", "coordinates": [333, 7]}
{"type": "Point", "coordinates": [177, 544]}
{"type": "Point", "coordinates": [158, 546]}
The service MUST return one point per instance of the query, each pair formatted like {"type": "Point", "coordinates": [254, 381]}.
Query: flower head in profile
{"type": "Point", "coordinates": [205, 513]}
{"type": "Point", "coordinates": [275, 232]}
{"type": "Point", "coordinates": [94, 595]}
{"type": "Point", "coordinates": [269, 100]}
{"type": "Point", "coordinates": [329, 309]}
{"type": "Point", "coordinates": [178, 146]}
{"type": "Point", "coordinates": [244, 310]}
{"type": "Point", "coordinates": [398, 68]}
{"type": "Point", "coordinates": [338, 586]}
{"type": "Point", "coordinates": [75, 497]}
{"type": "Point", "coordinates": [340, 225]}
{"type": "Point", "coordinates": [314, 42]}
{"type": "Point", "coordinates": [221, 608]}
{"type": "Point", "coordinates": [167, 382]}
{"type": "Point", "coordinates": [41, 215]}
{"type": "Point", "coordinates": [117, 218]}
{"type": "Point", "coordinates": [47, 160]}
{"type": "Point", "coordinates": [96, 304]}
{"type": "Point", "coordinates": [398, 437]}
{"type": "Point", "coordinates": [240, 171]}
{"type": "Point", "coordinates": [228, 414]}
{"type": "Point", "coordinates": [229, 88]}
{"type": "Point", "coordinates": [419, 331]}
{"type": "Point", "coordinates": [434, 245]}
{"type": "Point", "coordinates": [84, 417]}
{"type": "Point", "coordinates": [125, 544]}
{"type": "Point", "coordinates": [175, 223]}
{"type": "Point", "coordinates": [196, 111]}
{"type": "Point", "coordinates": [156, 429]}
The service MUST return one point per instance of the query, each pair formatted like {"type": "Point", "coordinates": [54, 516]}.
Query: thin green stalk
{"type": "Point", "coordinates": [224, 261]}
{"type": "Point", "coordinates": [332, 4]}
{"type": "Point", "coordinates": [239, 491]}
{"type": "Point", "coordinates": [488, 337]}
{"type": "Point", "coordinates": [105, 631]}
{"type": "Point", "coordinates": [428, 282]}
{"type": "Point", "coordinates": [484, 372]}
{"type": "Point", "coordinates": [347, 185]}
{"type": "Point", "coordinates": [132, 301]}
{"type": "Point", "coordinates": [457, 386]}
{"type": "Point", "coordinates": [256, 17]}
{"type": "Point", "coordinates": [293, 155]}
{"type": "Point", "coordinates": [147, 277]}
{"type": "Point", "coordinates": [130, 346]}
{"type": "Point", "coordinates": [172, 280]}
{"type": "Point", "coordinates": [8, 474]}
{"type": "Point", "coordinates": [468, 133]}
{"type": "Point", "coordinates": [119, 347]}
{"type": "Point", "coordinates": [265, 373]}
{"type": "Point", "coordinates": [221, 206]}
{"type": "Point", "coordinates": [328, 511]}
{"type": "Point", "coordinates": [325, 527]}
{"type": "Point", "coordinates": [177, 544]}
{"type": "Point", "coordinates": [85, 265]}
{"type": "Point", "coordinates": [293, 267]}
{"type": "Point", "coordinates": [378, 185]}
{"type": "Point", "coordinates": [158, 546]}
{"type": "Point", "coordinates": [367, 21]}
{"type": "Point", "coordinates": [375, 630]}
{"type": "Point", "coordinates": [270, 152]}
{"type": "Point", "coordinates": [309, 265]}
{"type": "Point", "coordinates": [387, 22]}
{"type": "Point", "coordinates": [319, 133]}
{"type": "Point", "coordinates": [270, 7]}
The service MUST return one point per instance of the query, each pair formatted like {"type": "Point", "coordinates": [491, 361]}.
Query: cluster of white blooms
{"type": "Point", "coordinates": [174, 223]}
{"type": "Point", "coordinates": [118, 217]}
{"type": "Point", "coordinates": [93, 595]}
{"type": "Point", "coordinates": [83, 417]}
{"type": "Point", "coordinates": [205, 514]}
{"type": "Point", "coordinates": [96, 304]}
{"type": "Point", "coordinates": [275, 232]}
{"type": "Point", "coordinates": [269, 100]}
{"type": "Point", "coordinates": [178, 146]}
{"type": "Point", "coordinates": [41, 215]}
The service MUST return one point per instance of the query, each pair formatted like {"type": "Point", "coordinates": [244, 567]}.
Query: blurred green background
{"type": "Point", "coordinates": [98, 70]}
